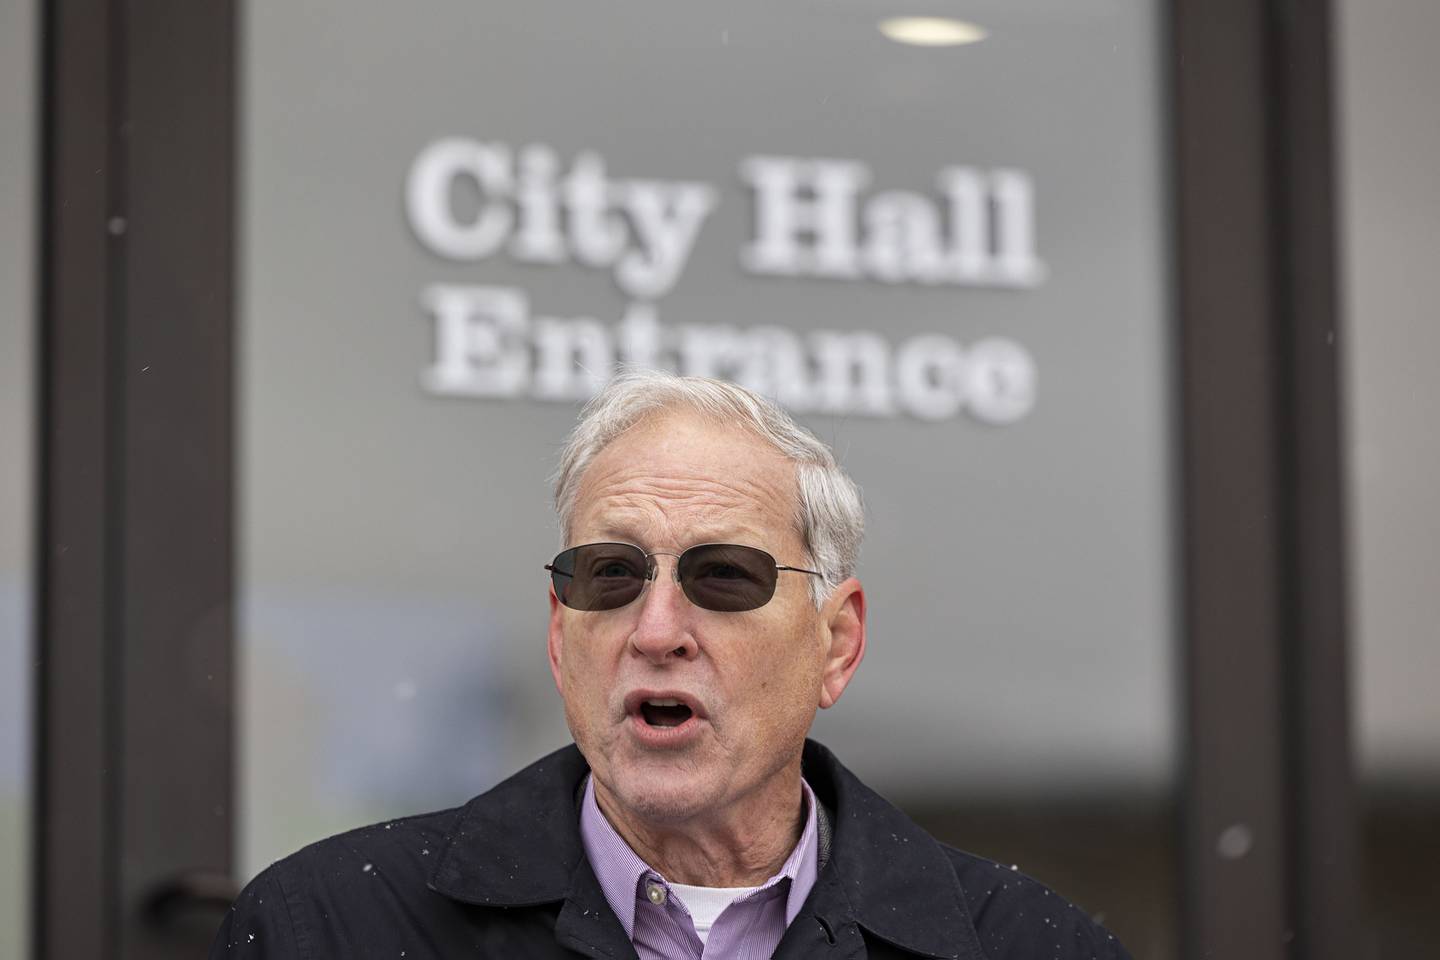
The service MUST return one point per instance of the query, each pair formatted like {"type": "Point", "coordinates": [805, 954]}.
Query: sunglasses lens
{"type": "Point", "coordinates": [599, 576]}
{"type": "Point", "coordinates": [727, 577]}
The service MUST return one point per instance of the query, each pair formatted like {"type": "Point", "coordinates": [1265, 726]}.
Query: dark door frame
{"type": "Point", "coordinates": [136, 460]}
{"type": "Point", "coordinates": [136, 452]}
{"type": "Point", "coordinates": [1269, 828]}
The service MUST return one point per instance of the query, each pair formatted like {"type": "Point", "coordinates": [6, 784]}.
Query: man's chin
{"type": "Point", "coordinates": [662, 790]}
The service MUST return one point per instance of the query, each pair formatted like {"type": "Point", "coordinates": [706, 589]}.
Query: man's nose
{"type": "Point", "coordinates": [663, 631]}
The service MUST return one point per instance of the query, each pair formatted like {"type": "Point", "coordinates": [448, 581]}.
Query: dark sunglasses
{"type": "Point", "coordinates": [716, 576]}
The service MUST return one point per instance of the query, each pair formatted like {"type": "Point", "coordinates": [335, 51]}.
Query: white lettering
{"type": "Point", "coordinates": [638, 336]}
{"type": "Point", "coordinates": [968, 259]}
{"type": "Point", "coordinates": [574, 358]}
{"type": "Point", "coordinates": [999, 381]}
{"type": "Point", "coordinates": [666, 218]}
{"type": "Point", "coordinates": [429, 205]}
{"type": "Point", "coordinates": [927, 370]}
{"type": "Point", "coordinates": [1015, 262]}
{"type": "Point", "coordinates": [784, 214]}
{"type": "Point", "coordinates": [539, 239]}
{"type": "Point", "coordinates": [487, 345]}
{"type": "Point", "coordinates": [597, 237]}
{"type": "Point", "coordinates": [479, 332]}
{"type": "Point", "coordinates": [854, 373]}
{"type": "Point", "coordinates": [810, 221]}
{"type": "Point", "coordinates": [902, 238]}
{"type": "Point", "coordinates": [553, 218]}
{"type": "Point", "coordinates": [708, 351]}
{"type": "Point", "coordinates": [773, 364]}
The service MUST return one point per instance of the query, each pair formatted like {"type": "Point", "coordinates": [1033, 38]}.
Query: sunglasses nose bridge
{"type": "Point", "coordinates": [652, 567]}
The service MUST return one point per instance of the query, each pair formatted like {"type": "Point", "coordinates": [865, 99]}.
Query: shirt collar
{"type": "Point", "coordinates": [620, 869]}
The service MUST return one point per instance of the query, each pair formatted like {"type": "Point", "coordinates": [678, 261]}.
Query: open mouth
{"type": "Point", "coordinates": [664, 713]}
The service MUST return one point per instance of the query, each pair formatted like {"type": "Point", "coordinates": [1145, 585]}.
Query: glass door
{"type": "Point", "coordinates": [943, 243]}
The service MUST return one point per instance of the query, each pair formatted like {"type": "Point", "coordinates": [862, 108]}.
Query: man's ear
{"type": "Point", "coordinates": [555, 643]}
{"type": "Point", "coordinates": [843, 622]}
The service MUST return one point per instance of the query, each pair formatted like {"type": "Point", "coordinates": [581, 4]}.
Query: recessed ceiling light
{"type": "Point", "coordinates": [931, 31]}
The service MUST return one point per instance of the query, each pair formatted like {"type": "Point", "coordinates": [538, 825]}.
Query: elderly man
{"type": "Point", "coordinates": [703, 609]}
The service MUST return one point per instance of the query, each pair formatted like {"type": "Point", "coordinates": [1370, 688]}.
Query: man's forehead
{"type": "Point", "coordinates": [711, 479]}
{"type": "Point", "coordinates": [680, 450]}
{"type": "Point", "coordinates": [650, 510]}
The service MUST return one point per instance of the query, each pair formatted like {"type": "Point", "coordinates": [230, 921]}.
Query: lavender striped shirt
{"type": "Point", "coordinates": [657, 921]}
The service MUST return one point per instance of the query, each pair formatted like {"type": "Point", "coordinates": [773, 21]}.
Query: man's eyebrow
{"type": "Point", "coordinates": [620, 534]}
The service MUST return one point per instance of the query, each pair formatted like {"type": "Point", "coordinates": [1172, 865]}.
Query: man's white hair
{"type": "Point", "coordinates": [828, 512]}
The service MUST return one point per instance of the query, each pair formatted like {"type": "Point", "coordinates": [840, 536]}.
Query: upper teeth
{"type": "Point", "coordinates": [663, 703]}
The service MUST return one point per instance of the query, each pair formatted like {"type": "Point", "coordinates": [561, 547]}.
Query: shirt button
{"type": "Point", "coordinates": [655, 892]}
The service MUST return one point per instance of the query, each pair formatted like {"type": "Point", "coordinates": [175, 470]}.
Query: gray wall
{"type": "Point", "coordinates": [1390, 152]}
{"type": "Point", "coordinates": [18, 189]}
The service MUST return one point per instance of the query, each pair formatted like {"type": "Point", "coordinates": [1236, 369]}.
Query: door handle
{"type": "Point", "coordinates": [191, 899]}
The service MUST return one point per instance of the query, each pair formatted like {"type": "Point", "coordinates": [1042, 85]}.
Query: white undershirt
{"type": "Point", "coordinates": [707, 903]}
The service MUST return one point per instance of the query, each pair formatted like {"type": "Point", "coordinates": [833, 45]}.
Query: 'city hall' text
{"type": "Point", "coordinates": [468, 200]}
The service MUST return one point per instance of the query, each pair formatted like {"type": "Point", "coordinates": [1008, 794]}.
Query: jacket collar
{"type": "Point", "coordinates": [519, 845]}
{"type": "Point", "coordinates": [896, 880]}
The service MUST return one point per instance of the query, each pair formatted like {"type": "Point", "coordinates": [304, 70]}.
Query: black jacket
{"type": "Point", "coordinates": [505, 876]}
